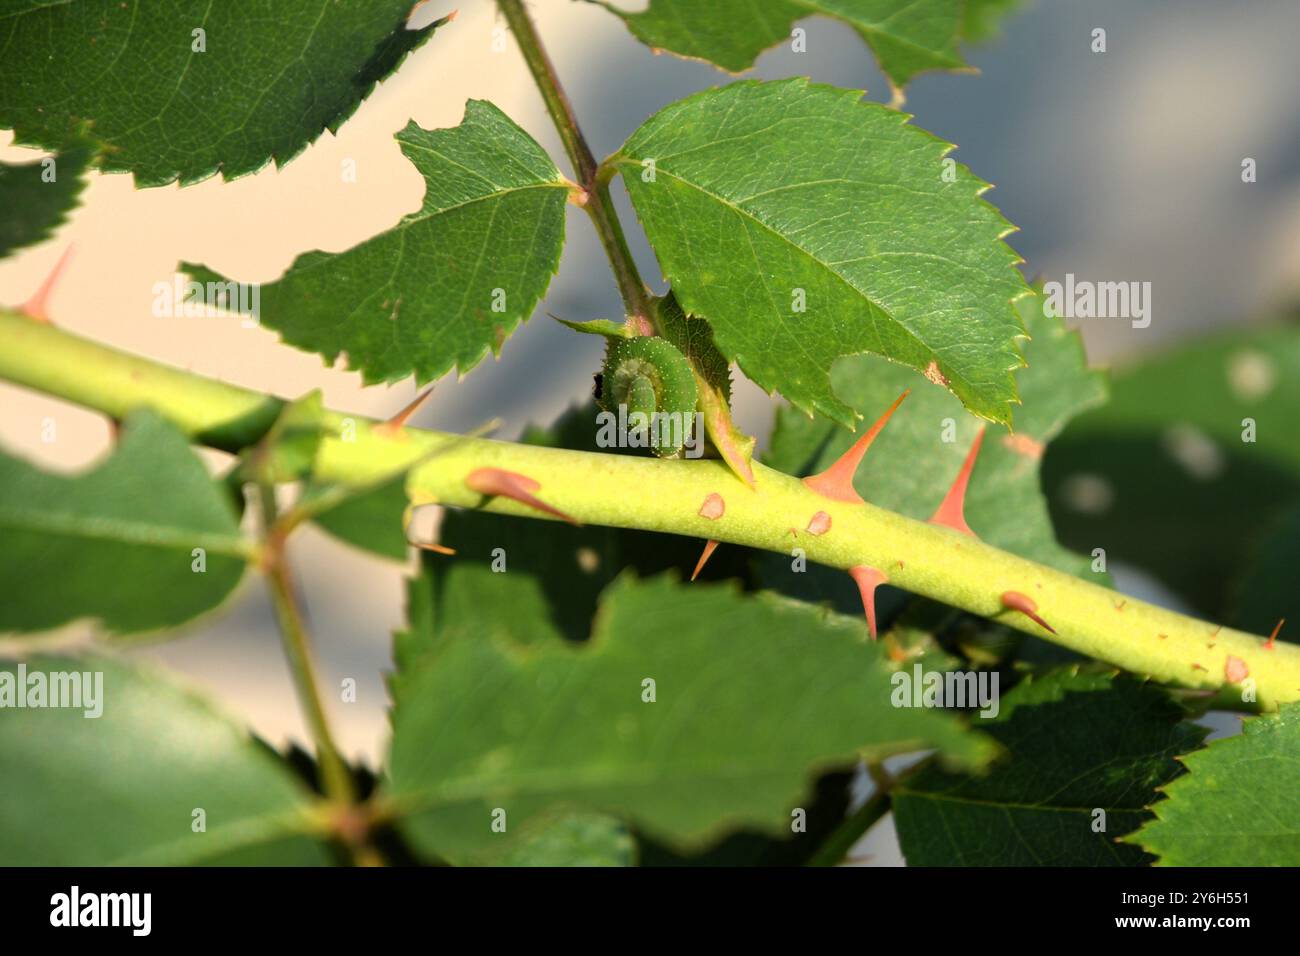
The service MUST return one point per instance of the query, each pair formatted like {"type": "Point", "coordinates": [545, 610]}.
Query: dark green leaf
{"type": "Point", "coordinates": [449, 282]}
{"type": "Point", "coordinates": [1161, 476]}
{"type": "Point", "coordinates": [271, 78]}
{"type": "Point", "coordinates": [1078, 744]}
{"type": "Point", "coordinates": [32, 205]}
{"type": "Point", "coordinates": [907, 36]}
{"type": "Point", "coordinates": [118, 543]}
{"type": "Point", "coordinates": [804, 224]}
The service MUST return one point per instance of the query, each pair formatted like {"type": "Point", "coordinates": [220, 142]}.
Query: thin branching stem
{"type": "Point", "coordinates": [597, 200]}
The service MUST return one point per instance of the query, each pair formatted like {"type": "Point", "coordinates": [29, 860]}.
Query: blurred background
{"type": "Point", "coordinates": [1122, 166]}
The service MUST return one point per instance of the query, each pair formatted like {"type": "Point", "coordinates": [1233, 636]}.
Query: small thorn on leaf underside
{"type": "Point", "coordinates": [709, 547]}
{"type": "Point", "coordinates": [395, 424]}
{"type": "Point", "coordinates": [38, 306]}
{"type": "Point", "coordinates": [497, 482]}
{"type": "Point", "coordinates": [836, 482]}
{"type": "Point", "coordinates": [1272, 638]}
{"type": "Point", "coordinates": [951, 513]}
{"type": "Point", "coordinates": [1015, 601]}
{"type": "Point", "coordinates": [868, 579]}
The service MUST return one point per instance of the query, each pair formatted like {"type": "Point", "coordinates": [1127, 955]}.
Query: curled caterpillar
{"type": "Point", "coordinates": [649, 384]}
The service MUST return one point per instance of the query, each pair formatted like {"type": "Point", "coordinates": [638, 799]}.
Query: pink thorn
{"type": "Point", "coordinates": [709, 547]}
{"type": "Point", "coordinates": [37, 307]}
{"type": "Point", "coordinates": [952, 512]}
{"type": "Point", "coordinates": [1015, 601]}
{"type": "Point", "coordinates": [1272, 638]}
{"type": "Point", "coordinates": [868, 579]}
{"type": "Point", "coordinates": [494, 482]}
{"type": "Point", "coordinates": [819, 524]}
{"type": "Point", "coordinates": [836, 482]}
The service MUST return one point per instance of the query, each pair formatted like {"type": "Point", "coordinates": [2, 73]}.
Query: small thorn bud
{"type": "Point", "coordinates": [836, 482]}
{"type": "Point", "coordinates": [497, 482]}
{"type": "Point", "coordinates": [1235, 670]}
{"type": "Point", "coordinates": [1015, 601]}
{"type": "Point", "coordinates": [1272, 638]}
{"type": "Point", "coordinates": [435, 548]}
{"type": "Point", "coordinates": [714, 507]}
{"type": "Point", "coordinates": [709, 547]}
{"type": "Point", "coordinates": [819, 523]}
{"type": "Point", "coordinates": [868, 579]}
{"type": "Point", "coordinates": [951, 512]}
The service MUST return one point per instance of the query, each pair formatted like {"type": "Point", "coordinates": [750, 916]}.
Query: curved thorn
{"type": "Point", "coordinates": [836, 482]}
{"type": "Point", "coordinates": [497, 482]}
{"type": "Point", "coordinates": [951, 512]}
{"type": "Point", "coordinates": [37, 307]}
{"type": "Point", "coordinates": [1272, 638]}
{"type": "Point", "coordinates": [868, 579]}
{"type": "Point", "coordinates": [709, 547]}
{"type": "Point", "coordinates": [1015, 601]}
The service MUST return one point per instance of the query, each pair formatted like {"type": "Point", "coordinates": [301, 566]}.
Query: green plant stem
{"type": "Point", "coordinates": [334, 775]}
{"type": "Point", "coordinates": [599, 204]}
{"type": "Point", "coordinates": [666, 495]}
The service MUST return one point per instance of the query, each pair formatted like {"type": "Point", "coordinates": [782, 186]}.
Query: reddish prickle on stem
{"type": "Point", "coordinates": [394, 425]}
{"type": "Point", "coordinates": [868, 579]}
{"type": "Point", "coordinates": [714, 507]}
{"type": "Point", "coordinates": [38, 306]}
{"type": "Point", "coordinates": [951, 512]}
{"type": "Point", "coordinates": [497, 482]}
{"type": "Point", "coordinates": [1272, 638]}
{"type": "Point", "coordinates": [836, 482]}
{"type": "Point", "coordinates": [1015, 601]}
{"type": "Point", "coordinates": [709, 547]}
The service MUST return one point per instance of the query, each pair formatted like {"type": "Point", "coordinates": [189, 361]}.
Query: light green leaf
{"type": "Point", "coordinates": [1079, 745]}
{"type": "Point", "coordinates": [271, 77]}
{"type": "Point", "coordinates": [485, 721]}
{"type": "Point", "coordinates": [447, 283]}
{"type": "Point", "coordinates": [907, 36]}
{"type": "Point", "coordinates": [122, 789]}
{"type": "Point", "coordinates": [371, 520]}
{"type": "Point", "coordinates": [912, 463]}
{"type": "Point", "coordinates": [31, 207]}
{"type": "Point", "coordinates": [117, 543]}
{"type": "Point", "coordinates": [1237, 804]}
{"type": "Point", "coordinates": [805, 224]}
{"type": "Point", "coordinates": [587, 839]}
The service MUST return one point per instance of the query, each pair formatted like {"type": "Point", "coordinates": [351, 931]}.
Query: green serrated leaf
{"type": "Point", "coordinates": [485, 722]}
{"type": "Point", "coordinates": [1237, 804]}
{"type": "Point", "coordinates": [1194, 512]}
{"type": "Point", "coordinates": [124, 788]}
{"type": "Point", "coordinates": [117, 543]}
{"type": "Point", "coordinates": [449, 282]}
{"type": "Point", "coordinates": [31, 207]}
{"type": "Point", "coordinates": [907, 36]}
{"type": "Point", "coordinates": [1077, 744]}
{"type": "Point", "coordinates": [805, 224]}
{"type": "Point", "coordinates": [371, 520]}
{"type": "Point", "coordinates": [271, 77]}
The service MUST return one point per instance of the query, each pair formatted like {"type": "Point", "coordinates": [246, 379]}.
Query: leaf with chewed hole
{"type": "Point", "coordinates": [448, 283]}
